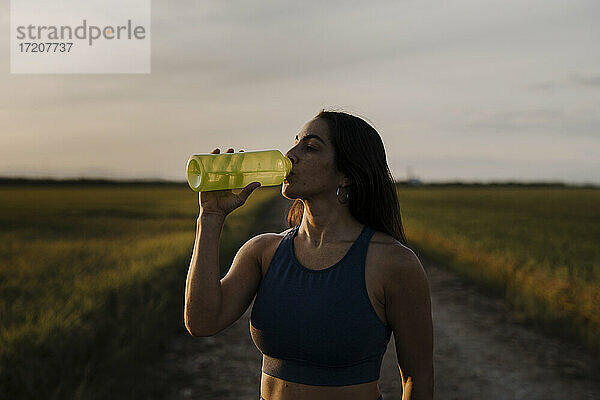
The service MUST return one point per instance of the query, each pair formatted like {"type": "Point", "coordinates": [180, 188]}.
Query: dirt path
{"type": "Point", "coordinates": [480, 353]}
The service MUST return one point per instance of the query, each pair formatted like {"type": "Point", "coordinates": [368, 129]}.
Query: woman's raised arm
{"type": "Point", "coordinates": [203, 293]}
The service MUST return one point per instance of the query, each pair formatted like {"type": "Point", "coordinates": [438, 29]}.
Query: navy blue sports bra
{"type": "Point", "coordinates": [318, 327]}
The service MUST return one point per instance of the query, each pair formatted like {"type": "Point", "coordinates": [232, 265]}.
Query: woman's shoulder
{"type": "Point", "coordinates": [270, 235]}
{"type": "Point", "coordinates": [388, 246]}
{"type": "Point", "coordinates": [391, 256]}
{"type": "Point", "coordinates": [269, 238]}
{"type": "Point", "coordinates": [265, 244]}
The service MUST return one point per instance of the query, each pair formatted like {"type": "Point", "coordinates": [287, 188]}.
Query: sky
{"type": "Point", "coordinates": [471, 90]}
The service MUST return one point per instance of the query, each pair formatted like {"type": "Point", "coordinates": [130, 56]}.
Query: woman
{"type": "Point", "coordinates": [329, 291]}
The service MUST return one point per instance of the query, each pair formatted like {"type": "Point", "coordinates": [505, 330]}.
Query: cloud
{"type": "Point", "coordinates": [548, 86]}
{"type": "Point", "coordinates": [576, 79]}
{"type": "Point", "coordinates": [445, 81]}
{"type": "Point", "coordinates": [546, 121]}
{"type": "Point", "coordinates": [589, 80]}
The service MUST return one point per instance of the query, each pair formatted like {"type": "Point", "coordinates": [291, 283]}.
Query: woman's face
{"type": "Point", "coordinates": [313, 163]}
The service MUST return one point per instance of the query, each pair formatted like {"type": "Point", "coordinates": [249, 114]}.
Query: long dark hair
{"type": "Point", "coordinates": [360, 155]}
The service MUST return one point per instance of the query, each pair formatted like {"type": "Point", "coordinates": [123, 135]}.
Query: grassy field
{"type": "Point", "coordinates": [536, 246]}
{"type": "Point", "coordinates": [92, 283]}
{"type": "Point", "coordinates": [92, 278]}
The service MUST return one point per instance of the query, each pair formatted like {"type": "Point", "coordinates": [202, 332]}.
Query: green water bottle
{"type": "Point", "coordinates": [206, 172]}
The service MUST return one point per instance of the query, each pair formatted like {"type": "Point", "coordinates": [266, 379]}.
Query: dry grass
{"type": "Point", "coordinates": [538, 247]}
{"type": "Point", "coordinates": [92, 282]}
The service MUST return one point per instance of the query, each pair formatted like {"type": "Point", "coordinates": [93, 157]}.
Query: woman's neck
{"type": "Point", "coordinates": [327, 223]}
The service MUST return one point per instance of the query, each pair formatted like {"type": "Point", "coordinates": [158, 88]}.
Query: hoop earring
{"type": "Point", "coordinates": [344, 198]}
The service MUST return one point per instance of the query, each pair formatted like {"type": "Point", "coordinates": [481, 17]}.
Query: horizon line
{"type": "Point", "coordinates": [7, 180]}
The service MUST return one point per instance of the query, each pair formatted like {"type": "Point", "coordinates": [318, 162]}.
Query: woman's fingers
{"type": "Point", "coordinates": [407, 389]}
{"type": "Point", "coordinates": [218, 151]}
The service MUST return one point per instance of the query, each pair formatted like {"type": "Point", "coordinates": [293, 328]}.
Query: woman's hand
{"type": "Point", "coordinates": [222, 202]}
{"type": "Point", "coordinates": [407, 389]}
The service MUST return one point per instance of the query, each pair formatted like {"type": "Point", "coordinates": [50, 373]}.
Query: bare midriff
{"type": "Point", "coordinates": [272, 388]}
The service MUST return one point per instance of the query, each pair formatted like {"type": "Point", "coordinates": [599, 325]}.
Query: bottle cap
{"type": "Point", "coordinates": [195, 173]}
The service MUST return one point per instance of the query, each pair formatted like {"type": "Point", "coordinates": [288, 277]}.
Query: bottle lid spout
{"type": "Point", "coordinates": [287, 164]}
{"type": "Point", "coordinates": [195, 173]}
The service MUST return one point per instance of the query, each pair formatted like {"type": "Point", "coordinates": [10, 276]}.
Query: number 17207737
{"type": "Point", "coordinates": [45, 47]}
